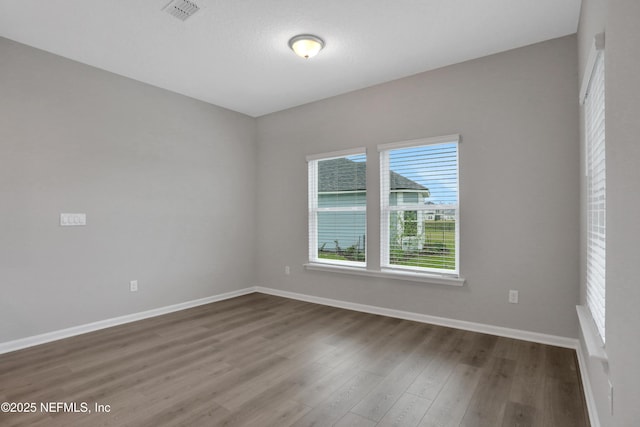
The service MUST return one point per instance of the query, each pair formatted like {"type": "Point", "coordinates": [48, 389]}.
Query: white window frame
{"type": "Point", "coordinates": [592, 96]}
{"type": "Point", "coordinates": [386, 208]}
{"type": "Point", "coordinates": [314, 209]}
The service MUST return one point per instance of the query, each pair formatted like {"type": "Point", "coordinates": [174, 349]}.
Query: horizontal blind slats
{"type": "Point", "coordinates": [596, 197]}
{"type": "Point", "coordinates": [419, 207]}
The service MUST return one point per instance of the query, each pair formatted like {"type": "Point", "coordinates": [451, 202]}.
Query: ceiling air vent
{"type": "Point", "coordinates": [181, 9]}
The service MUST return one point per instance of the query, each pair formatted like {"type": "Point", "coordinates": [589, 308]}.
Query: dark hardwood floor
{"type": "Point", "coordinates": [260, 360]}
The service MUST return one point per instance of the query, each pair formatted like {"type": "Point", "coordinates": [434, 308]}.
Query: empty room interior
{"type": "Point", "coordinates": [296, 213]}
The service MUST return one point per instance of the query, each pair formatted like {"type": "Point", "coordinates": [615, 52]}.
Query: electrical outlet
{"type": "Point", "coordinates": [287, 270]}
{"type": "Point", "coordinates": [133, 286]}
{"type": "Point", "coordinates": [513, 296]}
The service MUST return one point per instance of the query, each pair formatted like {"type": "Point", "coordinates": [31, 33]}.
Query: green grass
{"type": "Point", "coordinates": [329, 255]}
{"type": "Point", "coordinates": [434, 239]}
{"type": "Point", "coordinates": [438, 235]}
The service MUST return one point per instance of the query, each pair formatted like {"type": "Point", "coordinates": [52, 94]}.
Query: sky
{"type": "Point", "coordinates": [433, 166]}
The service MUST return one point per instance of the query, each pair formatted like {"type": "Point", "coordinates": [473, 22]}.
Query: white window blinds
{"type": "Point", "coordinates": [419, 205]}
{"type": "Point", "coordinates": [596, 194]}
{"type": "Point", "coordinates": [337, 209]}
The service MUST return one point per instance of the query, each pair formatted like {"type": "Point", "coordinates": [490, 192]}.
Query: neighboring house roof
{"type": "Point", "coordinates": [346, 175]}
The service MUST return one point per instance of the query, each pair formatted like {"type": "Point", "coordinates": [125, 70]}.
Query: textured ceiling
{"type": "Point", "coordinates": [234, 53]}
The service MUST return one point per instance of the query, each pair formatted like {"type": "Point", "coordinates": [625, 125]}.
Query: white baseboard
{"type": "Point", "coordinates": [407, 315]}
{"type": "Point", "coordinates": [21, 343]}
{"type": "Point", "coordinates": [588, 390]}
{"type": "Point", "coordinates": [425, 318]}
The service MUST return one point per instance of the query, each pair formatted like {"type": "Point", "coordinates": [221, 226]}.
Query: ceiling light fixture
{"type": "Point", "coordinates": [306, 45]}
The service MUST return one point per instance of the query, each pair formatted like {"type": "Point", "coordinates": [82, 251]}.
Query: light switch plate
{"type": "Point", "coordinates": [73, 219]}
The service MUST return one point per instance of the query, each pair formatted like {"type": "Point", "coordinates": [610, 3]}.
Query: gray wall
{"type": "Point", "coordinates": [167, 183]}
{"type": "Point", "coordinates": [519, 160]}
{"type": "Point", "coordinates": [618, 18]}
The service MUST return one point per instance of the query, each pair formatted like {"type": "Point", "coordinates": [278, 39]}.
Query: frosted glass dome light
{"type": "Point", "coordinates": [306, 46]}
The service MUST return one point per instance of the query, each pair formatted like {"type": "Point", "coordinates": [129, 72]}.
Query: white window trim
{"type": "Point", "coordinates": [385, 209]}
{"type": "Point", "coordinates": [422, 141]}
{"type": "Point", "coordinates": [411, 276]}
{"type": "Point", "coordinates": [596, 48]}
{"type": "Point", "coordinates": [313, 208]}
{"type": "Point", "coordinates": [349, 268]}
{"type": "Point", "coordinates": [335, 154]}
{"type": "Point", "coordinates": [596, 284]}
{"type": "Point", "coordinates": [594, 341]}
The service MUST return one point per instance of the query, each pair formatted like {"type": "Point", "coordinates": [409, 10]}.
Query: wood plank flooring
{"type": "Point", "coordinates": [260, 360]}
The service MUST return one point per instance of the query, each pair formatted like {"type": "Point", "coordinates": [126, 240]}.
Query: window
{"type": "Point", "coordinates": [419, 215]}
{"type": "Point", "coordinates": [596, 194]}
{"type": "Point", "coordinates": [337, 208]}
{"type": "Point", "coordinates": [419, 226]}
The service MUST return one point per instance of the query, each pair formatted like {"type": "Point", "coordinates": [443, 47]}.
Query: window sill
{"type": "Point", "coordinates": [389, 274]}
{"type": "Point", "coordinates": [592, 340]}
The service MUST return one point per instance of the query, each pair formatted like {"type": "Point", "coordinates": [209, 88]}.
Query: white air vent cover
{"type": "Point", "coordinates": [181, 9]}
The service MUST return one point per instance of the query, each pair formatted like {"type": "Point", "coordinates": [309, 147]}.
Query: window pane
{"type": "Point", "coordinates": [596, 196]}
{"type": "Point", "coordinates": [341, 235]}
{"type": "Point", "coordinates": [425, 238]}
{"type": "Point", "coordinates": [338, 203]}
{"type": "Point", "coordinates": [426, 174]}
{"type": "Point", "coordinates": [342, 181]}
{"type": "Point", "coordinates": [421, 206]}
